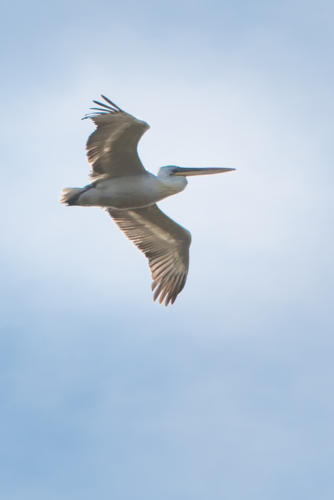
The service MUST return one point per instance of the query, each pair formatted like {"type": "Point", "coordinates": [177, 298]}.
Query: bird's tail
{"type": "Point", "coordinates": [70, 196]}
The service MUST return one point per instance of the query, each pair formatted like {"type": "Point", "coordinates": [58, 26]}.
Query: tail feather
{"type": "Point", "coordinates": [69, 196]}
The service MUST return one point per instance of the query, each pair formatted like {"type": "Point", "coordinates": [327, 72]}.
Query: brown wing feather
{"type": "Point", "coordinates": [164, 242]}
{"type": "Point", "coordinates": [112, 147]}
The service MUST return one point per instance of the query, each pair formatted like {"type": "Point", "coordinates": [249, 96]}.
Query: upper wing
{"type": "Point", "coordinates": [112, 148]}
{"type": "Point", "coordinates": [165, 244]}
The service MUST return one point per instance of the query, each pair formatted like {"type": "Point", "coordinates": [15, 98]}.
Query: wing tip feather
{"type": "Point", "coordinates": [167, 292]}
{"type": "Point", "coordinates": [103, 108]}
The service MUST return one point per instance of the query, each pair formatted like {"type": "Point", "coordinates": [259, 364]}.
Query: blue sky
{"type": "Point", "coordinates": [227, 394]}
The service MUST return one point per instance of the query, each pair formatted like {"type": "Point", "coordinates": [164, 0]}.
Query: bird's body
{"type": "Point", "coordinates": [121, 185]}
{"type": "Point", "coordinates": [134, 191]}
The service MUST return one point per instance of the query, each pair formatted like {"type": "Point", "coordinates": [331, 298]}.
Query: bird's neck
{"type": "Point", "coordinates": [173, 183]}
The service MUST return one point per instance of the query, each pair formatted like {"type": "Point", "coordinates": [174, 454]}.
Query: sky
{"type": "Point", "coordinates": [227, 394]}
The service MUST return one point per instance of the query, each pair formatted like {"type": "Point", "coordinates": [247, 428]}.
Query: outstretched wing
{"type": "Point", "coordinates": [164, 242]}
{"type": "Point", "coordinates": [112, 148]}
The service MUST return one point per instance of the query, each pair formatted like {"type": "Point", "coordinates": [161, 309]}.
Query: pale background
{"type": "Point", "coordinates": [228, 394]}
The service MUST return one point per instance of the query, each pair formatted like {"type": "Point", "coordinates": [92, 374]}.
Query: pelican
{"type": "Point", "coordinates": [129, 193]}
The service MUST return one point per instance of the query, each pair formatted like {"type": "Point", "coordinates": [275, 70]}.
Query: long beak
{"type": "Point", "coordinates": [200, 171]}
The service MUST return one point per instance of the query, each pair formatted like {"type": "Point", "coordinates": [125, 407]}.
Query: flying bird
{"type": "Point", "coordinates": [129, 193]}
